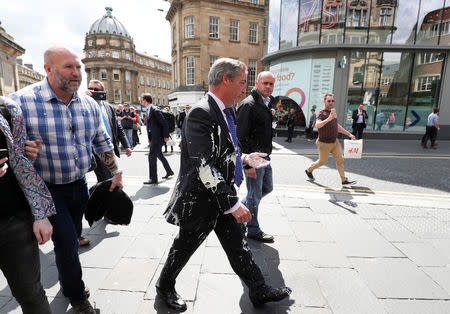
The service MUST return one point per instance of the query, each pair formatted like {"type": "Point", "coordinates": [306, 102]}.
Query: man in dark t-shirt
{"type": "Point", "coordinates": [327, 142]}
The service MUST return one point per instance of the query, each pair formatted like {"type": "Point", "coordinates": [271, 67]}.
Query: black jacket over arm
{"type": "Point", "coordinates": [204, 188]}
{"type": "Point", "coordinates": [254, 125]}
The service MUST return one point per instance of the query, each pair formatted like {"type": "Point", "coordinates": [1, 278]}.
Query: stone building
{"type": "Point", "coordinates": [27, 75]}
{"type": "Point", "coordinates": [9, 51]}
{"type": "Point", "coordinates": [111, 56]}
{"type": "Point", "coordinates": [203, 31]}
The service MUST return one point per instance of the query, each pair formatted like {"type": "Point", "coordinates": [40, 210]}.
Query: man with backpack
{"type": "Point", "coordinates": [170, 118]}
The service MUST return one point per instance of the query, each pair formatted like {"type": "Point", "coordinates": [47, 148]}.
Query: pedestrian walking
{"type": "Point", "coordinates": [68, 136]}
{"type": "Point", "coordinates": [204, 198]}
{"type": "Point", "coordinates": [254, 131]}
{"type": "Point", "coordinates": [312, 122]}
{"type": "Point", "coordinates": [158, 134]}
{"type": "Point", "coordinates": [25, 206]}
{"type": "Point", "coordinates": [170, 118]}
{"type": "Point", "coordinates": [359, 117]}
{"type": "Point", "coordinates": [126, 118]}
{"type": "Point", "coordinates": [292, 118]}
{"type": "Point", "coordinates": [431, 129]}
{"type": "Point", "coordinates": [327, 142]}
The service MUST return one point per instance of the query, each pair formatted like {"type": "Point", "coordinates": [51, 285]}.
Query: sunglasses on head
{"type": "Point", "coordinates": [330, 100]}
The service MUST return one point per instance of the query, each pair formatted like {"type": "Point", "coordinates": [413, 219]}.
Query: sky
{"type": "Point", "coordinates": [37, 25]}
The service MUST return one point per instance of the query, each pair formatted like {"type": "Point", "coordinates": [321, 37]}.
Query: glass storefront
{"type": "Point", "coordinates": [274, 26]}
{"type": "Point", "coordinates": [309, 22]}
{"type": "Point", "coordinates": [288, 31]}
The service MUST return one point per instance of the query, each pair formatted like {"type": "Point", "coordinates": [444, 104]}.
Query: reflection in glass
{"type": "Point", "coordinates": [274, 25]}
{"type": "Point", "coordinates": [425, 88]}
{"type": "Point", "coordinates": [392, 102]}
{"type": "Point", "coordinates": [289, 16]}
{"type": "Point", "coordinates": [381, 21]}
{"type": "Point", "coordinates": [430, 16]}
{"type": "Point", "coordinates": [405, 21]}
{"type": "Point", "coordinates": [358, 12]}
{"type": "Point", "coordinates": [333, 21]}
{"type": "Point", "coordinates": [445, 27]}
{"type": "Point", "coordinates": [309, 23]}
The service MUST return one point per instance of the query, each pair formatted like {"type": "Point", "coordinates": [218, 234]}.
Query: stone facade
{"type": "Point", "coordinates": [203, 31]}
{"type": "Point", "coordinates": [27, 75]}
{"type": "Point", "coordinates": [110, 56]}
{"type": "Point", "coordinates": [9, 51]}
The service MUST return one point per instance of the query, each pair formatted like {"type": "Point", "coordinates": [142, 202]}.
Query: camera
{"type": "Point", "coordinates": [98, 95]}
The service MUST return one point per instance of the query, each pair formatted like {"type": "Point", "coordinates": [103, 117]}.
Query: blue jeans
{"type": "Point", "coordinates": [129, 135]}
{"type": "Point", "coordinates": [70, 201]}
{"type": "Point", "coordinates": [257, 189]}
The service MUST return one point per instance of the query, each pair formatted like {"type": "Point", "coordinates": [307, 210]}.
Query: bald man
{"type": "Point", "coordinates": [66, 126]}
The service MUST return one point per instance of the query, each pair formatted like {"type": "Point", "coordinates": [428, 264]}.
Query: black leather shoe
{"type": "Point", "coordinates": [261, 237]}
{"type": "Point", "coordinates": [309, 174]}
{"type": "Point", "coordinates": [151, 182]}
{"type": "Point", "coordinates": [172, 299]}
{"type": "Point", "coordinates": [168, 174]}
{"type": "Point", "coordinates": [266, 294]}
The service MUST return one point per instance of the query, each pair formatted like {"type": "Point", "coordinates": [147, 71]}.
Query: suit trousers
{"type": "Point", "coordinates": [358, 130]}
{"type": "Point", "coordinates": [156, 152]}
{"type": "Point", "coordinates": [20, 264]}
{"type": "Point", "coordinates": [430, 133]}
{"type": "Point", "coordinates": [232, 238]}
{"type": "Point", "coordinates": [324, 150]}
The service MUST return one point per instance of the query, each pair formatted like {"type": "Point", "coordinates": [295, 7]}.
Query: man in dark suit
{"type": "Point", "coordinates": [359, 117]}
{"type": "Point", "coordinates": [204, 198]}
{"type": "Point", "coordinates": [158, 134]}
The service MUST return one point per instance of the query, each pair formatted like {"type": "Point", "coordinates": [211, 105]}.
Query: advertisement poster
{"type": "Point", "coordinates": [304, 81]}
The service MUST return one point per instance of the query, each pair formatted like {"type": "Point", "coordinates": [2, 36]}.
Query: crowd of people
{"type": "Point", "coordinates": [51, 135]}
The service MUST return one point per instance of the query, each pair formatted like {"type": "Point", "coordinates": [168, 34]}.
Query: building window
{"type": "Point", "coordinates": [254, 1]}
{"type": "Point", "coordinates": [164, 84]}
{"type": "Point", "coordinates": [152, 64]}
{"type": "Point", "coordinates": [357, 18]}
{"type": "Point", "coordinates": [189, 27]}
{"type": "Point", "coordinates": [127, 56]}
{"type": "Point", "coordinates": [213, 27]}
{"type": "Point", "coordinates": [142, 80]}
{"type": "Point", "coordinates": [117, 96]}
{"type": "Point", "coordinates": [168, 84]}
{"type": "Point", "coordinates": [127, 76]}
{"type": "Point", "coordinates": [157, 65]}
{"type": "Point", "coordinates": [115, 54]}
{"type": "Point", "coordinates": [159, 83]}
{"type": "Point", "coordinates": [251, 76]}
{"type": "Point", "coordinates": [116, 75]}
{"type": "Point", "coordinates": [101, 53]}
{"type": "Point", "coordinates": [94, 75]}
{"type": "Point", "coordinates": [253, 33]}
{"type": "Point", "coordinates": [423, 84]}
{"type": "Point", "coordinates": [190, 70]}
{"type": "Point", "coordinates": [103, 74]}
{"type": "Point", "coordinates": [128, 95]}
{"type": "Point", "coordinates": [212, 59]}
{"type": "Point", "coordinates": [147, 80]}
{"type": "Point", "coordinates": [154, 82]}
{"type": "Point", "coordinates": [91, 54]}
{"type": "Point", "coordinates": [159, 99]}
{"type": "Point", "coordinates": [385, 17]}
{"type": "Point", "coordinates": [430, 57]}
{"type": "Point", "coordinates": [234, 30]}
{"type": "Point", "coordinates": [141, 61]}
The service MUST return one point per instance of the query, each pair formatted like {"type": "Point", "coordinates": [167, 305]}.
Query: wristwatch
{"type": "Point", "coordinates": [118, 171]}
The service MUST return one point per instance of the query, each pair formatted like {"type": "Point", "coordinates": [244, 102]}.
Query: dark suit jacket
{"type": "Point", "coordinates": [157, 127]}
{"type": "Point", "coordinates": [117, 133]}
{"type": "Point", "coordinates": [204, 188]}
{"type": "Point", "coordinates": [355, 118]}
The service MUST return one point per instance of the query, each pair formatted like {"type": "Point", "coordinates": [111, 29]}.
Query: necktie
{"type": "Point", "coordinates": [238, 170]}
{"type": "Point", "coordinates": [105, 119]}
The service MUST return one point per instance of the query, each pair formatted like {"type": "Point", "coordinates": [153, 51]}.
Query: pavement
{"type": "Point", "coordinates": [341, 250]}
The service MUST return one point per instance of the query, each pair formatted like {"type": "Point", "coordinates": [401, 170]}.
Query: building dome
{"type": "Point", "coordinates": [108, 24]}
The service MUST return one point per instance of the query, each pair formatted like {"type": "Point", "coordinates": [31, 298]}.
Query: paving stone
{"type": "Point", "coordinates": [303, 310]}
{"type": "Point", "coordinates": [104, 252]}
{"type": "Point", "coordinates": [417, 306]}
{"type": "Point", "coordinates": [159, 307]}
{"type": "Point", "coordinates": [4, 301]}
{"type": "Point", "coordinates": [301, 278]}
{"type": "Point", "coordinates": [393, 231]}
{"type": "Point", "coordinates": [149, 246]}
{"type": "Point", "coordinates": [324, 254]}
{"type": "Point", "coordinates": [212, 286]}
{"type": "Point", "coordinates": [440, 213]}
{"type": "Point", "coordinates": [442, 245]}
{"type": "Point", "coordinates": [212, 240]}
{"type": "Point", "coordinates": [441, 275]}
{"type": "Point", "coordinates": [300, 214]}
{"type": "Point", "coordinates": [310, 231]}
{"type": "Point", "coordinates": [104, 228]}
{"type": "Point", "coordinates": [275, 225]}
{"type": "Point", "coordinates": [60, 305]}
{"type": "Point", "coordinates": [346, 292]}
{"type": "Point", "coordinates": [426, 227]}
{"type": "Point", "coordinates": [370, 211]}
{"type": "Point", "coordinates": [12, 307]}
{"type": "Point", "coordinates": [423, 254]}
{"type": "Point", "coordinates": [284, 247]}
{"type": "Point", "coordinates": [397, 278]}
{"type": "Point", "coordinates": [293, 202]}
{"type": "Point", "coordinates": [186, 283]}
{"type": "Point", "coordinates": [131, 274]}
{"type": "Point", "coordinates": [320, 206]}
{"type": "Point", "coordinates": [406, 211]}
{"type": "Point", "coordinates": [112, 302]}
{"type": "Point", "coordinates": [216, 261]}
{"type": "Point", "coordinates": [159, 226]}
{"type": "Point", "coordinates": [143, 212]}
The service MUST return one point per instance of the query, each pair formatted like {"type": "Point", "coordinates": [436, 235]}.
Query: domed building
{"type": "Point", "coordinates": [110, 56]}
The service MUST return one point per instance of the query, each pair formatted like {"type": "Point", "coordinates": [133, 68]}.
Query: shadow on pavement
{"type": "Point", "coordinates": [147, 192]}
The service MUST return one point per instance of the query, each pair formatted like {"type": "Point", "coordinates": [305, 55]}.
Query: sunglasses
{"type": "Point", "coordinates": [330, 100]}
{"type": "Point", "coordinates": [95, 89]}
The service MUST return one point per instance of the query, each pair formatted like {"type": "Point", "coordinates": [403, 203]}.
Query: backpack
{"type": "Point", "coordinates": [170, 118]}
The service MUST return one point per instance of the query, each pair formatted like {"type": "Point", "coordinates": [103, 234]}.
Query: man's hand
{"type": "Point", "coordinates": [242, 214]}
{"type": "Point", "coordinates": [166, 139]}
{"type": "Point", "coordinates": [251, 173]}
{"type": "Point", "coordinates": [32, 149]}
{"type": "Point", "coordinates": [88, 92]}
{"type": "Point", "coordinates": [333, 114]}
{"type": "Point", "coordinates": [43, 230]}
{"type": "Point", "coordinates": [116, 181]}
{"type": "Point", "coordinates": [128, 151]}
{"type": "Point", "coordinates": [3, 168]}
{"type": "Point", "coordinates": [256, 160]}
{"type": "Point", "coordinates": [352, 137]}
